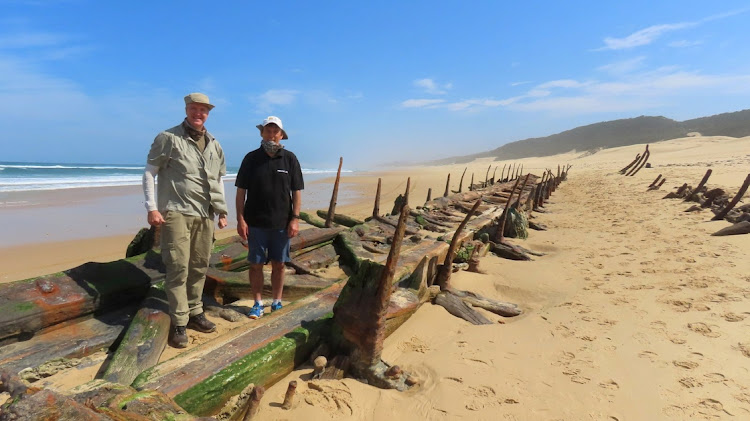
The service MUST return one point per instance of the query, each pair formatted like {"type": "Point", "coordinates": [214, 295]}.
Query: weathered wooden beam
{"type": "Point", "coordinates": [429, 195]}
{"type": "Point", "coordinates": [144, 341]}
{"type": "Point", "coordinates": [501, 229]}
{"type": "Point", "coordinates": [723, 213]}
{"type": "Point", "coordinates": [444, 273]}
{"type": "Point", "coordinates": [226, 287]}
{"type": "Point", "coordinates": [624, 170]}
{"type": "Point", "coordinates": [637, 164]}
{"type": "Point", "coordinates": [312, 220]}
{"type": "Point", "coordinates": [656, 180]}
{"type": "Point", "coordinates": [341, 219]}
{"type": "Point", "coordinates": [742, 227]}
{"type": "Point", "coordinates": [695, 192]}
{"type": "Point", "coordinates": [459, 308]}
{"type": "Point", "coordinates": [334, 195]}
{"type": "Point", "coordinates": [523, 186]}
{"type": "Point", "coordinates": [33, 304]}
{"type": "Point", "coordinates": [376, 207]}
{"type": "Point", "coordinates": [76, 340]}
{"type": "Point", "coordinates": [461, 183]}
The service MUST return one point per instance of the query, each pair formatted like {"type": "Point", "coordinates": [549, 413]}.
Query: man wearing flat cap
{"type": "Point", "coordinates": [188, 163]}
{"type": "Point", "coordinates": [268, 203]}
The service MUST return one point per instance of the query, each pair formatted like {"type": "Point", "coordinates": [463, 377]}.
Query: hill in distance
{"type": "Point", "coordinates": [610, 134]}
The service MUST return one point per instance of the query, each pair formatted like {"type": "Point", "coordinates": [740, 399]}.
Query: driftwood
{"type": "Point", "coordinates": [508, 251]}
{"type": "Point", "coordinates": [736, 229]}
{"type": "Point", "coordinates": [723, 213]}
{"type": "Point", "coordinates": [334, 196]}
{"type": "Point", "coordinates": [457, 307]}
{"type": "Point", "coordinates": [498, 307]}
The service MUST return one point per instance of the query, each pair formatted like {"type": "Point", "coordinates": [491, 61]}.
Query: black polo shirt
{"type": "Point", "coordinates": [269, 182]}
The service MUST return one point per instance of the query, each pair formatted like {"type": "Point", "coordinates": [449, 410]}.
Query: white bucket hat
{"type": "Point", "coordinates": [273, 120]}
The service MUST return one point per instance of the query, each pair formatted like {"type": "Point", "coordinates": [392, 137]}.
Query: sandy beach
{"type": "Point", "coordinates": [634, 313]}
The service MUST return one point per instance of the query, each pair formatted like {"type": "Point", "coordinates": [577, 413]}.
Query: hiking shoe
{"type": "Point", "coordinates": [178, 337]}
{"type": "Point", "coordinates": [276, 306]}
{"type": "Point", "coordinates": [256, 312]}
{"type": "Point", "coordinates": [201, 323]}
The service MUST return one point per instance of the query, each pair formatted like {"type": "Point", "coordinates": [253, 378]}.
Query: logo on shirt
{"type": "Point", "coordinates": [284, 171]}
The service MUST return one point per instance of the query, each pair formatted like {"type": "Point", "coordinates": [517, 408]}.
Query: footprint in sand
{"type": "Point", "coordinates": [580, 379]}
{"type": "Point", "coordinates": [415, 345]}
{"type": "Point", "coordinates": [744, 348]}
{"type": "Point", "coordinates": [651, 356]}
{"type": "Point", "coordinates": [689, 365]}
{"type": "Point", "coordinates": [733, 317]}
{"type": "Point", "coordinates": [704, 329]}
{"type": "Point", "coordinates": [701, 307]}
{"type": "Point", "coordinates": [609, 384]}
{"type": "Point", "coordinates": [333, 397]}
{"type": "Point", "coordinates": [715, 377]}
{"type": "Point", "coordinates": [690, 382]}
{"type": "Point", "coordinates": [680, 306]}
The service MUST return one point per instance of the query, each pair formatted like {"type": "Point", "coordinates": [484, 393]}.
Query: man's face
{"type": "Point", "coordinates": [272, 132]}
{"type": "Point", "coordinates": [197, 114]}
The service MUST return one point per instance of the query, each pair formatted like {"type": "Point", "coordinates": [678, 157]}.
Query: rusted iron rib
{"type": "Point", "coordinates": [447, 185]}
{"type": "Point", "coordinates": [624, 170]}
{"type": "Point", "coordinates": [332, 206]}
{"type": "Point", "coordinates": [376, 208]}
{"type": "Point", "coordinates": [733, 203]}
{"type": "Point", "coordinates": [444, 273]}
{"type": "Point", "coordinates": [694, 193]}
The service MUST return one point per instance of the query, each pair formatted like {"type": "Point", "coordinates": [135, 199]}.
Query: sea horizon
{"type": "Point", "coordinates": [19, 176]}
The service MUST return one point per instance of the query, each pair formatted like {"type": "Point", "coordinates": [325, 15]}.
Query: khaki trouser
{"type": "Point", "coordinates": [185, 249]}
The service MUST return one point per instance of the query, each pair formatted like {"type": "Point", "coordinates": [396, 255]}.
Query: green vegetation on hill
{"type": "Point", "coordinates": [610, 134]}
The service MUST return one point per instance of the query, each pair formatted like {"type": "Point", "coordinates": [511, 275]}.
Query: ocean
{"type": "Point", "coordinates": [30, 176]}
{"type": "Point", "coordinates": [42, 202]}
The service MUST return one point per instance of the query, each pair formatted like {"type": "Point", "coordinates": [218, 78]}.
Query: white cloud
{"type": "Point", "coordinates": [644, 36]}
{"type": "Point", "coordinates": [421, 103]}
{"type": "Point", "coordinates": [684, 43]}
{"type": "Point", "coordinates": [432, 87]}
{"type": "Point", "coordinates": [631, 92]}
{"type": "Point", "coordinates": [623, 67]}
{"type": "Point", "coordinates": [652, 33]}
{"type": "Point", "coordinates": [278, 96]}
{"type": "Point", "coordinates": [31, 40]}
{"type": "Point", "coordinates": [520, 83]}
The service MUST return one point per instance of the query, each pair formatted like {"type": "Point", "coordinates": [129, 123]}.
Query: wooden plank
{"type": "Point", "coordinates": [226, 287]}
{"type": "Point", "coordinates": [144, 340]}
{"type": "Point", "coordinates": [74, 341]}
{"type": "Point", "coordinates": [33, 304]}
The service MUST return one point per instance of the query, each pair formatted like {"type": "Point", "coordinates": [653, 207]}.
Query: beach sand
{"type": "Point", "coordinates": [634, 313]}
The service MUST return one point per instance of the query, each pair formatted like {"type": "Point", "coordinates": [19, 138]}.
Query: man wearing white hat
{"type": "Point", "coordinates": [189, 164]}
{"type": "Point", "coordinates": [268, 202]}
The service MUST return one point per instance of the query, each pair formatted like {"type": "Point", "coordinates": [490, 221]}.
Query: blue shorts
{"type": "Point", "coordinates": [265, 244]}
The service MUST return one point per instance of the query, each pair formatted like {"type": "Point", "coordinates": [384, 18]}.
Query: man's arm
{"type": "Point", "coordinates": [154, 216]}
{"type": "Point", "coordinates": [223, 216]}
{"type": "Point", "coordinates": [293, 228]}
{"type": "Point", "coordinates": [239, 204]}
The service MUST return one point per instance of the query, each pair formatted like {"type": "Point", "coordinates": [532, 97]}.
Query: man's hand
{"type": "Point", "coordinates": [155, 218]}
{"type": "Point", "coordinates": [293, 228]}
{"type": "Point", "coordinates": [242, 228]}
{"type": "Point", "coordinates": [222, 221]}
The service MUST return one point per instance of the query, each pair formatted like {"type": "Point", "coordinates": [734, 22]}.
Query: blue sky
{"type": "Point", "coordinates": [89, 81]}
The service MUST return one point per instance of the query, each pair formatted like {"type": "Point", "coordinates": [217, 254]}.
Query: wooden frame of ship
{"type": "Point", "coordinates": [394, 264]}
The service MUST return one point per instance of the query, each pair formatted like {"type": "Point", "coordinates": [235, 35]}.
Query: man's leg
{"type": "Point", "coordinates": [201, 240]}
{"type": "Point", "coordinates": [175, 252]}
{"type": "Point", "coordinates": [278, 253]}
{"type": "Point", "coordinates": [277, 280]}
